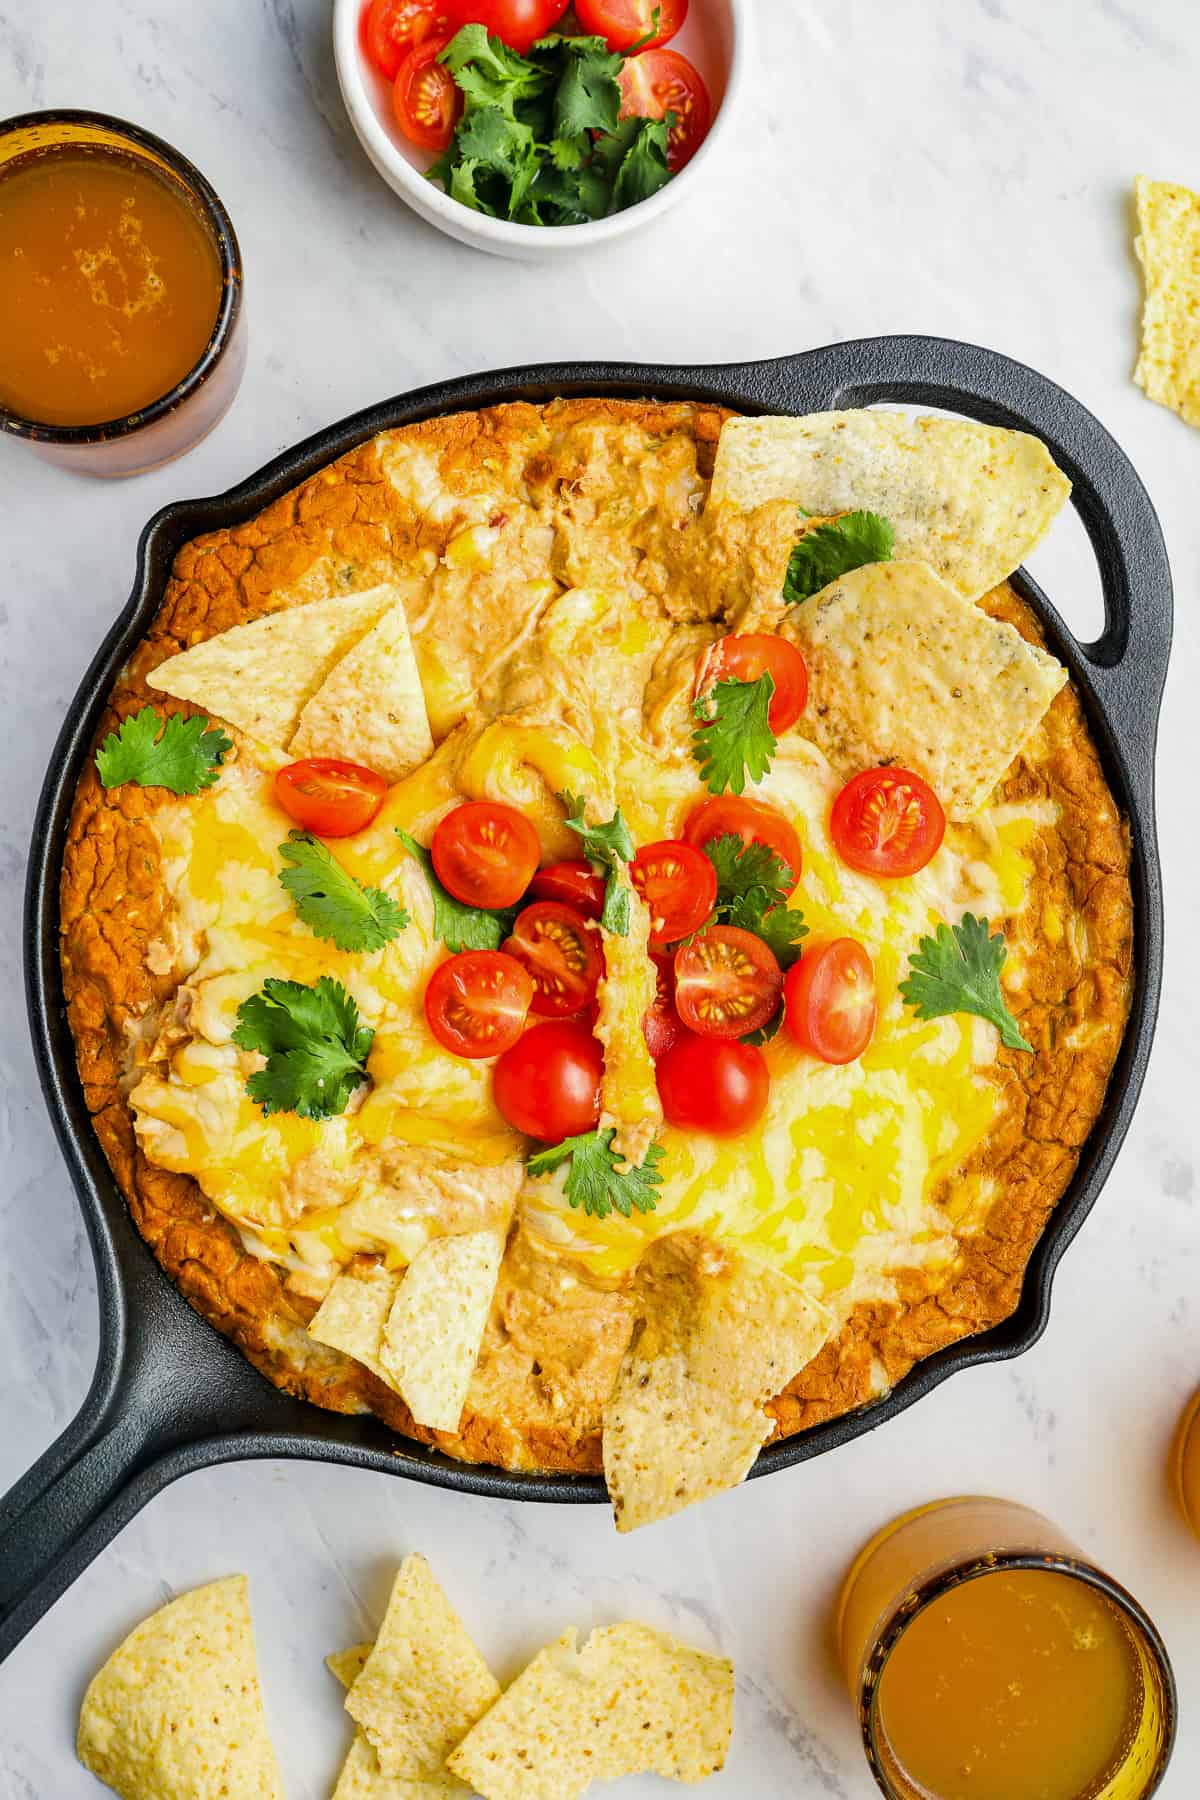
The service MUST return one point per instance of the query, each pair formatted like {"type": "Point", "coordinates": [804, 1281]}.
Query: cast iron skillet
{"type": "Point", "coordinates": [171, 1395]}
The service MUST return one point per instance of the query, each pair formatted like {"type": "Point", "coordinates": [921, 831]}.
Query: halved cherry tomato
{"type": "Point", "coordinates": [661, 1024]}
{"type": "Point", "coordinates": [548, 1084]}
{"type": "Point", "coordinates": [519, 22]}
{"type": "Point", "coordinates": [562, 954]}
{"type": "Point", "coordinates": [624, 23]}
{"type": "Point", "coordinates": [476, 1002]}
{"type": "Point", "coordinates": [753, 821]}
{"type": "Point", "coordinates": [426, 99]}
{"type": "Point", "coordinates": [678, 884]}
{"type": "Point", "coordinates": [573, 883]}
{"type": "Point", "coordinates": [661, 81]}
{"type": "Point", "coordinates": [829, 1000]}
{"type": "Point", "coordinates": [390, 29]}
{"type": "Point", "coordinates": [747, 657]}
{"type": "Point", "coordinates": [887, 822]}
{"type": "Point", "coordinates": [328, 797]}
{"type": "Point", "coordinates": [727, 982]}
{"type": "Point", "coordinates": [707, 1084]}
{"type": "Point", "coordinates": [485, 853]}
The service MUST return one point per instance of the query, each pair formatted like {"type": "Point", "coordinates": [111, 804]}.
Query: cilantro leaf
{"type": "Point", "coordinates": [610, 845]}
{"type": "Point", "coordinates": [488, 73]}
{"type": "Point", "coordinates": [460, 927]}
{"type": "Point", "coordinates": [958, 970]}
{"type": "Point", "coordinates": [779, 926]}
{"type": "Point", "coordinates": [597, 1180]}
{"type": "Point", "coordinates": [741, 866]}
{"type": "Point", "coordinates": [331, 903]}
{"type": "Point", "coordinates": [831, 550]}
{"type": "Point", "coordinates": [588, 96]}
{"type": "Point", "coordinates": [643, 169]}
{"type": "Point", "coordinates": [734, 736]}
{"type": "Point", "coordinates": [185, 758]}
{"type": "Point", "coordinates": [315, 1047]}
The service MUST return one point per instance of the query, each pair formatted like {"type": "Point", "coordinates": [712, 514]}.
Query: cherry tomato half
{"type": "Point", "coordinates": [624, 23]}
{"type": "Point", "coordinates": [887, 822]}
{"type": "Point", "coordinates": [426, 99]}
{"type": "Point", "coordinates": [548, 1084]}
{"type": "Point", "coordinates": [713, 1085]}
{"type": "Point", "coordinates": [661, 1024]}
{"type": "Point", "coordinates": [829, 997]}
{"type": "Point", "coordinates": [329, 798]}
{"type": "Point", "coordinates": [390, 29]}
{"type": "Point", "coordinates": [563, 955]}
{"type": "Point", "coordinates": [678, 884]}
{"type": "Point", "coordinates": [753, 821]}
{"type": "Point", "coordinates": [747, 657]}
{"type": "Point", "coordinates": [476, 1002]}
{"type": "Point", "coordinates": [661, 81]}
{"type": "Point", "coordinates": [573, 883]}
{"type": "Point", "coordinates": [519, 22]}
{"type": "Point", "coordinates": [485, 853]}
{"type": "Point", "coordinates": [727, 982]}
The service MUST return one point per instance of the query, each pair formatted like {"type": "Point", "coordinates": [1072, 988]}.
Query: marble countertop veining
{"type": "Point", "coordinates": [959, 167]}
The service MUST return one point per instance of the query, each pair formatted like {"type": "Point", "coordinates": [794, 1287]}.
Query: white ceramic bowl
{"type": "Point", "coordinates": [715, 38]}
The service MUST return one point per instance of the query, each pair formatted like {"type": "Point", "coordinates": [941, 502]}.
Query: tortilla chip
{"type": "Point", "coordinates": [177, 1708]}
{"type": "Point", "coordinates": [424, 1684]}
{"type": "Point", "coordinates": [629, 1089]}
{"type": "Point", "coordinates": [436, 1323]}
{"type": "Point", "coordinates": [370, 708]}
{"type": "Point", "coordinates": [970, 500]}
{"type": "Point", "coordinates": [1168, 248]}
{"type": "Point", "coordinates": [903, 670]}
{"type": "Point", "coordinates": [631, 1700]}
{"type": "Point", "coordinates": [720, 1336]}
{"type": "Point", "coordinates": [361, 1777]}
{"type": "Point", "coordinates": [352, 1316]}
{"type": "Point", "coordinates": [347, 1665]}
{"type": "Point", "coordinates": [259, 677]}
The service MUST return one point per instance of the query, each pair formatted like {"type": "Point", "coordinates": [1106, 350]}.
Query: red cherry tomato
{"type": "Point", "coordinates": [661, 1024]}
{"type": "Point", "coordinates": [563, 955]}
{"type": "Point", "coordinates": [887, 822]}
{"type": "Point", "coordinates": [746, 658]}
{"type": "Point", "coordinates": [476, 1003]}
{"type": "Point", "coordinates": [624, 23]}
{"type": "Point", "coordinates": [713, 1085]}
{"type": "Point", "coordinates": [829, 996]}
{"type": "Point", "coordinates": [485, 854]}
{"type": "Point", "coordinates": [390, 29]}
{"type": "Point", "coordinates": [329, 798]}
{"type": "Point", "coordinates": [661, 81]}
{"type": "Point", "coordinates": [678, 884]}
{"type": "Point", "coordinates": [727, 982]}
{"type": "Point", "coordinates": [426, 98]}
{"type": "Point", "coordinates": [548, 1084]}
{"type": "Point", "coordinates": [753, 821]}
{"type": "Point", "coordinates": [573, 883]}
{"type": "Point", "coordinates": [519, 22]}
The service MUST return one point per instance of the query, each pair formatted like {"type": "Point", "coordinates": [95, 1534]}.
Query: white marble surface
{"type": "Point", "coordinates": [949, 166]}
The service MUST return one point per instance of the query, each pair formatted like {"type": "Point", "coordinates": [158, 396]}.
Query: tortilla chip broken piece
{"type": "Point", "coordinates": [361, 1777]}
{"type": "Point", "coordinates": [258, 677]}
{"type": "Point", "coordinates": [370, 709]}
{"type": "Point", "coordinates": [352, 1316]}
{"type": "Point", "coordinates": [424, 1684]}
{"type": "Point", "coordinates": [632, 1700]}
{"type": "Point", "coordinates": [904, 670]}
{"type": "Point", "coordinates": [436, 1323]}
{"type": "Point", "coordinates": [970, 500]}
{"type": "Point", "coordinates": [1168, 248]}
{"type": "Point", "coordinates": [720, 1336]}
{"type": "Point", "coordinates": [177, 1707]}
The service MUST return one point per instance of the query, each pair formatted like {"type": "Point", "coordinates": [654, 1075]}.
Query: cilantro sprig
{"type": "Point", "coordinates": [733, 737]}
{"type": "Point", "coordinates": [332, 903]}
{"type": "Point", "coordinates": [611, 846]}
{"type": "Point", "coordinates": [460, 927]}
{"type": "Point", "coordinates": [752, 893]}
{"type": "Point", "coordinates": [826, 552]}
{"type": "Point", "coordinates": [958, 970]}
{"type": "Point", "coordinates": [183, 755]}
{"type": "Point", "coordinates": [315, 1046]}
{"type": "Point", "coordinates": [597, 1180]}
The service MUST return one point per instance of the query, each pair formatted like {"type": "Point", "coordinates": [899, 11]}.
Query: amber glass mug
{"type": "Point", "coordinates": [929, 1613]}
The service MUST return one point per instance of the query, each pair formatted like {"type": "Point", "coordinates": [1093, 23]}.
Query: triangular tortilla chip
{"type": "Point", "coordinates": [970, 500]}
{"type": "Point", "coordinates": [363, 1779]}
{"type": "Point", "coordinates": [352, 1316]}
{"type": "Point", "coordinates": [347, 1665]}
{"type": "Point", "coordinates": [631, 1700]}
{"type": "Point", "coordinates": [370, 708]}
{"type": "Point", "coordinates": [720, 1336]}
{"type": "Point", "coordinates": [177, 1708]}
{"type": "Point", "coordinates": [424, 1684]}
{"type": "Point", "coordinates": [1168, 249]}
{"type": "Point", "coordinates": [904, 670]}
{"type": "Point", "coordinates": [436, 1323]}
{"type": "Point", "coordinates": [260, 676]}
